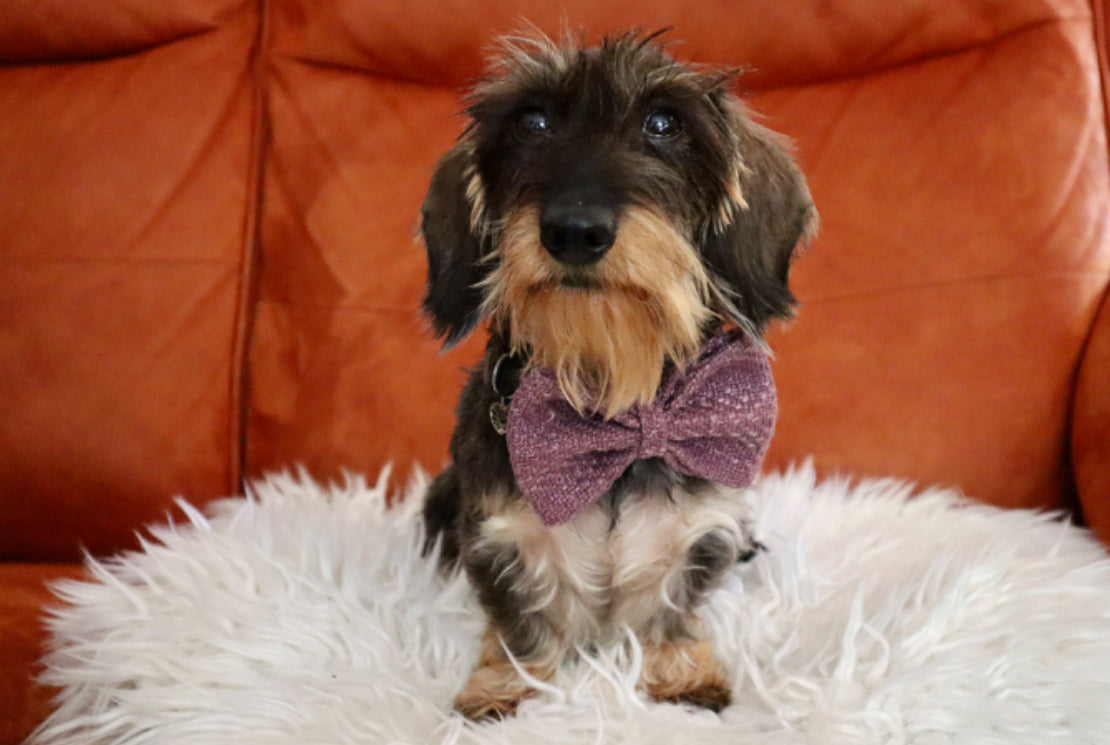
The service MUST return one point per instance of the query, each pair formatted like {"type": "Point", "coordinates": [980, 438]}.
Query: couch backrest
{"type": "Point", "coordinates": [207, 216]}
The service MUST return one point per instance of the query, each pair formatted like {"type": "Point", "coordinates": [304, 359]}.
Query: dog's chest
{"type": "Point", "coordinates": [613, 567]}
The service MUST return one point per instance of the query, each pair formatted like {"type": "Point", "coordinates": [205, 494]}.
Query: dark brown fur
{"type": "Point", "coordinates": [635, 138]}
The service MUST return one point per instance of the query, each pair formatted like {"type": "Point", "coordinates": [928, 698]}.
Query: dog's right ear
{"type": "Point", "coordinates": [455, 271]}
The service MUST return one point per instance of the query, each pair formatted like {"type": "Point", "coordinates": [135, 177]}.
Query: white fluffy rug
{"type": "Point", "coordinates": [306, 615]}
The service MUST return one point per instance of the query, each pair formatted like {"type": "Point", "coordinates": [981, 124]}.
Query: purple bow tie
{"type": "Point", "coordinates": [712, 420]}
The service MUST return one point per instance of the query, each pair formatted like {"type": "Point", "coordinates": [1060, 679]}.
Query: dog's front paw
{"type": "Point", "coordinates": [493, 692]}
{"type": "Point", "coordinates": [495, 688]}
{"type": "Point", "coordinates": [712, 695]}
{"type": "Point", "coordinates": [685, 672]}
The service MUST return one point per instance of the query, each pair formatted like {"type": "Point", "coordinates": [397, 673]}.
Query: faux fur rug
{"type": "Point", "coordinates": [306, 615]}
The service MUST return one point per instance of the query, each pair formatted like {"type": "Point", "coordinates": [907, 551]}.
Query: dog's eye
{"type": "Point", "coordinates": [662, 124]}
{"type": "Point", "coordinates": [533, 122]}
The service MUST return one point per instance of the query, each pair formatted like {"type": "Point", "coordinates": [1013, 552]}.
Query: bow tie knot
{"type": "Point", "coordinates": [653, 432]}
{"type": "Point", "coordinates": [712, 420]}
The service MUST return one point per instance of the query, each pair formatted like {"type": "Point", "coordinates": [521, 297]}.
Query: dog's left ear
{"type": "Point", "coordinates": [454, 296]}
{"type": "Point", "coordinates": [751, 253]}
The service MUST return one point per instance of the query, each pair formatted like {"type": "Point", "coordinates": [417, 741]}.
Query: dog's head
{"type": "Point", "coordinates": [607, 207]}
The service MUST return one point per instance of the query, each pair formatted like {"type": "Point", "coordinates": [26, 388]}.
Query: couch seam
{"type": "Point", "coordinates": [1100, 12]}
{"type": "Point", "coordinates": [239, 382]}
{"type": "Point", "coordinates": [1100, 17]}
{"type": "Point", "coordinates": [107, 56]}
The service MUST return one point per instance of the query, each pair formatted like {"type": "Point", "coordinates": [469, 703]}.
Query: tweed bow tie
{"type": "Point", "coordinates": [713, 420]}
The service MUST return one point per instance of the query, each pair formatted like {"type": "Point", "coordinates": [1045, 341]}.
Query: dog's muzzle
{"type": "Point", "coordinates": [576, 232]}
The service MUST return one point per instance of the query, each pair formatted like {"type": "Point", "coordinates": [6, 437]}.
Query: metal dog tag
{"type": "Point", "coordinates": [499, 416]}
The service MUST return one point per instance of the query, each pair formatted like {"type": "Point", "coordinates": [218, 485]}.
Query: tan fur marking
{"type": "Point", "coordinates": [645, 304]}
{"type": "Point", "coordinates": [495, 688]}
{"type": "Point", "coordinates": [476, 197]}
{"type": "Point", "coordinates": [532, 49]}
{"type": "Point", "coordinates": [685, 672]}
{"type": "Point", "coordinates": [733, 201]}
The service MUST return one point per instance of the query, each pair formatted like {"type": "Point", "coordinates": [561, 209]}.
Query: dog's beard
{"type": "Point", "coordinates": [606, 331]}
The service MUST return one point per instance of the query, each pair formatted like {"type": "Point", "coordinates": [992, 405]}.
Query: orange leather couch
{"type": "Point", "coordinates": [207, 214]}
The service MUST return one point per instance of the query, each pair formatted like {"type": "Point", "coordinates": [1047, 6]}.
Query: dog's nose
{"type": "Point", "coordinates": [577, 234]}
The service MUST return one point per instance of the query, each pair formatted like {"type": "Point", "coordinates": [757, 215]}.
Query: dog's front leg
{"type": "Point", "coordinates": [510, 589]}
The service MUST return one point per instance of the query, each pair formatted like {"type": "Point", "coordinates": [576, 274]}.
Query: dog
{"type": "Point", "coordinates": [619, 221]}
